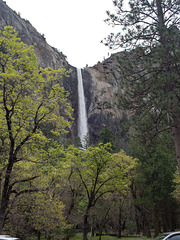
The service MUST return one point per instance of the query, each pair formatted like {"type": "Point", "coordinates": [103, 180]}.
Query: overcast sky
{"type": "Point", "coordinates": [75, 27]}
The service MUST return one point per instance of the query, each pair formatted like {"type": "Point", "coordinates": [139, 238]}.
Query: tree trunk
{"type": "Point", "coordinates": [5, 194]}
{"type": "Point", "coordinates": [2, 217]}
{"type": "Point", "coordinates": [156, 222]}
{"type": "Point", "coordinates": [39, 235]}
{"type": "Point", "coordinates": [138, 228]}
{"type": "Point", "coordinates": [100, 235]}
{"type": "Point", "coordinates": [92, 228]}
{"type": "Point", "coordinates": [176, 137]}
{"type": "Point", "coordinates": [119, 222]}
{"type": "Point", "coordinates": [85, 227]}
{"type": "Point", "coordinates": [146, 228]}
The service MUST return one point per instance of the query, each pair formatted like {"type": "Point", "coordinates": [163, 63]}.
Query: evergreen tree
{"type": "Point", "coordinates": [149, 68]}
{"type": "Point", "coordinates": [156, 167]}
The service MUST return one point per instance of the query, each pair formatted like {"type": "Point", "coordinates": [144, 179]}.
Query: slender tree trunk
{"type": "Point", "coordinates": [100, 234]}
{"type": "Point", "coordinates": [146, 228]}
{"type": "Point", "coordinates": [119, 222]}
{"type": "Point", "coordinates": [85, 227]}
{"type": "Point", "coordinates": [2, 217]}
{"type": "Point", "coordinates": [176, 137]}
{"type": "Point", "coordinates": [137, 223]}
{"type": "Point", "coordinates": [39, 235]}
{"type": "Point", "coordinates": [156, 222]}
{"type": "Point", "coordinates": [92, 228]}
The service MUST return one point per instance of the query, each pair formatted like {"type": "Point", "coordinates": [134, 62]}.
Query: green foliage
{"type": "Point", "coordinates": [149, 68]}
{"type": "Point", "coordinates": [35, 202]}
{"type": "Point", "coordinates": [142, 23]}
{"type": "Point", "coordinates": [156, 163]}
{"type": "Point", "coordinates": [176, 192]}
{"type": "Point", "coordinates": [29, 95]}
{"type": "Point", "coordinates": [78, 143]}
{"type": "Point", "coordinates": [98, 173]}
{"type": "Point", "coordinates": [154, 179]}
{"type": "Point", "coordinates": [106, 135]}
{"type": "Point", "coordinates": [38, 212]}
{"type": "Point", "coordinates": [99, 170]}
{"type": "Point", "coordinates": [30, 98]}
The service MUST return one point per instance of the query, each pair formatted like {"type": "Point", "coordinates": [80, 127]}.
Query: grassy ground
{"type": "Point", "coordinates": [79, 237]}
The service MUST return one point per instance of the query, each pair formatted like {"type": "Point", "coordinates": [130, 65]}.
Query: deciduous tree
{"type": "Point", "coordinates": [100, 173]}
{"type": "Point", "coordinates": [29, 97]}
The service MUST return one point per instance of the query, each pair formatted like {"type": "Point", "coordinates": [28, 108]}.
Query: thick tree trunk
{"type": "Point", "coordinates": [5, 194]}
{"type": "Point", "coordinates": [176, 137]}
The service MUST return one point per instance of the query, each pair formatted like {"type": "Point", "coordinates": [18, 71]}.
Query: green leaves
{"type": "Point", "coordinates": [99, 170]}
{"type": "Point", "coordinates": [31, 99]}
{"type": "Point", "coordinates": [29, 95]}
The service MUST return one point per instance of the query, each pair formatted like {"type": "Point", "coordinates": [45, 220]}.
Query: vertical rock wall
{"type": "Point", "coordinates": [101, 100]}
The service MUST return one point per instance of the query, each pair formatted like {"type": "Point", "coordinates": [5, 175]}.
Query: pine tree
{"type": "Point", "coordinates": [149, 66]}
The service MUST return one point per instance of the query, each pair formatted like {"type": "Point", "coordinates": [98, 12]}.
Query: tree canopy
{"type": "Point", "coordinates": [30, 97]}
{"type": "Point", "coordinates": [100, 172]}
{"type": "Point", "coordinates": [149, 74]}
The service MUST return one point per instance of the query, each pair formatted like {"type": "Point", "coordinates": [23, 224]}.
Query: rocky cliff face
{"type": "Point", "coordinates": [101, 88]}
{"type": "Point", "coordinates": [99, 85]}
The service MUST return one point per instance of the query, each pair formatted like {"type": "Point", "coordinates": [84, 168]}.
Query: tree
{"type": "Point", "coordinates": [30, 97]}
{"type": "Point", "coordinates": [105, 136]}
{"type": "Point", "coordinates": [149, 68]}
{"type": "Point", "coordinates": [100, 215]}
{"type": "Point", "coordinates": [100, 173]}
{"type": "Point", "coordinates": [41, 214]}
{"type": "Point", "coordinates": [156, 168]}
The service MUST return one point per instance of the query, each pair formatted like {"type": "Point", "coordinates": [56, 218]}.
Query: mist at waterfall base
{"type": "Point", "coordinates": [82, 116]}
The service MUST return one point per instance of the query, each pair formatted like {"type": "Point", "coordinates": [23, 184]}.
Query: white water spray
{"type": "Point", "coordinates": [82, 119]}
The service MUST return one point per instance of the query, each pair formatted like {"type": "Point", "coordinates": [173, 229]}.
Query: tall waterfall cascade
{"type": "Point", "coordinates": [82, 116]}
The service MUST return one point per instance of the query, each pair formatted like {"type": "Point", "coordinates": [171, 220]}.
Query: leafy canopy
{"type": "Point", "coordinates": [29, 95]}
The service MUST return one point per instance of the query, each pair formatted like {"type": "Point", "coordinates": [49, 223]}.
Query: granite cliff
{"type": "Point", "coordinates": [99, 85]}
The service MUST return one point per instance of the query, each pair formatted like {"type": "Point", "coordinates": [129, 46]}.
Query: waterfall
{"type": "Point", "coordinates": [82, 118]}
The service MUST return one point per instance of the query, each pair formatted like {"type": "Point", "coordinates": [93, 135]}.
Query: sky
{"type": "Point", "coordinates": [74, 27]}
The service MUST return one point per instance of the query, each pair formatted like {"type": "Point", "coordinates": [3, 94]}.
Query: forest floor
{"type": "Point", "coordinates": [107, 237]}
